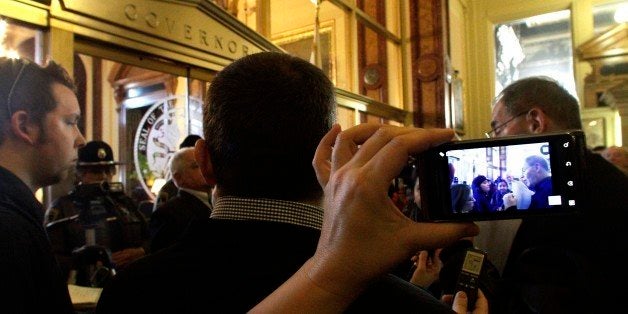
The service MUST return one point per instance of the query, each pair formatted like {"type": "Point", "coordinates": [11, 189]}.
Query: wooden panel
{"type": "Point", "coordinates": [372, 56]}
{"type": "Point", "coordinates": [428, 51]}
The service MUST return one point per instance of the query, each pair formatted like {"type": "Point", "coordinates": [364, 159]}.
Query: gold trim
{"type": "Point", "coordinates": [121, 56]}
{"type": "Point", "coordinates": [362, 103]}
{"type": "Point", "coordinates": [191, 31]}
{"type": "Point", "coordinates": [165, 50]}
{"type": "Point", "coordinates": [30, 12]}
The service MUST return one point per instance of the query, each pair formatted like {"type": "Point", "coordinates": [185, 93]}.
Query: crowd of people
{"type": "Point", "coordinates": [236, 238]}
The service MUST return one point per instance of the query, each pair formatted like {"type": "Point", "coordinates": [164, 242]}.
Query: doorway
{"type": "Point", "coordinates": [143, 106]}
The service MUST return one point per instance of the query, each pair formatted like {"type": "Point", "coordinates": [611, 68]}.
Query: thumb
{"type": "Point", "coordinates": [460, 302]}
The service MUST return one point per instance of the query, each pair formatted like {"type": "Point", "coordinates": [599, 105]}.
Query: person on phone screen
{"type": "Point", "coordinates": [538, 175]}
{"type": "Point", "coordinates": [564, 264]}
{"type": "Point", "coordinates": [462, 200]}
{"type": "Point", "coordinates": [498, 197]}
{"type": "Point", "coordinates": [483, 191]}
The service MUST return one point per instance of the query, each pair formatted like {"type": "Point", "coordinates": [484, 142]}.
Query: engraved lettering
{"type": "Point", "coordinates": [187, 31]}
{"type": "Point", "coordinates": [170, 25]}
{"type": "Point", "coordinates": [143, 138]}
{"type": "Point", "coordinates": [203, 37]}
{"type": "Point", "coordinates": [151, 20]}
{"type": "Point", "coordinates": [130, 10]}
{"type": "Point", "coordinates": [233, 47]}
{"type": "Point", "coordinates": [172, 28]}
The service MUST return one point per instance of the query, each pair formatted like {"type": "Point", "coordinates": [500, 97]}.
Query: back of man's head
{"type": "Point", "coordinates": [25, 85]}
{"type": "Point", "coordinates": [181, 160]}
{"type": "Point", "coordinates": [538, 160]}
{"type": "Point", "coordinates": [545, 93]}
{"type": "Point", "coordinates": [263, 119]}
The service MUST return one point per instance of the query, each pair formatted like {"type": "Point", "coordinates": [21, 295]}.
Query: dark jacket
{"type": "Point", "coordinates": [167, 191]}
{"type": "Point", "coordinates": [170, 220]}
{"type": "Point", "coordinates": [30, 279]}
{"type": "Point", "coordinates": [542, 190]}
{"type": "Point", "coordinates": [113, 215]}
{"type": "Point", "coordinates": [228, 266]}
{"type": "Point", "coordinates": [572, 264]}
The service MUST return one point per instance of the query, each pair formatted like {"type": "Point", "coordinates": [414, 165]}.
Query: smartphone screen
{"type": "Point", "coordinates": [503, 178]}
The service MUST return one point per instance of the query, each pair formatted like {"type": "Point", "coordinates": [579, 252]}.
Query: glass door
{"type": "Point", "coordinates": [143, 107]}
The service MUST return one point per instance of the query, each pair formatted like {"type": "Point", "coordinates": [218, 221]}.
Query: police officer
{"type": "Point", "coordinates": [96, 228]}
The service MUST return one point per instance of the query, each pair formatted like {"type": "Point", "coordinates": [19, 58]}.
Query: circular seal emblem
{"type": "Point", "coordinates": [158, 135]}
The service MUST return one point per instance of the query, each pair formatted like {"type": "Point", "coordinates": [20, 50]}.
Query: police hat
{"type": "Point", "coordinates": [96, 153]}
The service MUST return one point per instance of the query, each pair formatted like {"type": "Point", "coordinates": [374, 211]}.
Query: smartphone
{"type": "Point", "coordinates": [502, 178]}
{"type": "Point", "coordinates": [469, 277]}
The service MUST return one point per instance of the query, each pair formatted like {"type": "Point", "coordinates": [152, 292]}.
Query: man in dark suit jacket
{"type": "Point", "coordinates": [169, 189]}
{"type": "Point", "coordinates": [564, 264]}
{"type": "Point", "coordinates": [264, 117]}
{"type": "Point", "coordinates": [170, 220]}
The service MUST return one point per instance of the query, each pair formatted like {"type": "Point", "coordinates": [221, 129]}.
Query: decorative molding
{"type": "Point", "coordinates": [373, 76]}
{"type": "Point", "coordinates": [428, 67]}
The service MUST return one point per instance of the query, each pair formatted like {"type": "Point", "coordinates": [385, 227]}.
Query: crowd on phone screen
{"type": "Point", "coordinates": [482, 196]}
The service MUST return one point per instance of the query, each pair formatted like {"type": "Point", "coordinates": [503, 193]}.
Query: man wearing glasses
{"type": "Point", "coordinates": [39, 141]}
{"type": "Point", "coordinates": [534, 105]}
{"type": "Point", "coordinates": [563, 264]}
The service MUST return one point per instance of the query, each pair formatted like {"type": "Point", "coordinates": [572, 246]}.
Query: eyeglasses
{"type": "Point", "coordinates": [494, 130]}
{"type": "Point", "coordinates": [17, 79]}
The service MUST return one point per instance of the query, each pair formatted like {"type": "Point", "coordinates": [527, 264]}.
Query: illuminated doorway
{"type": "Point", "coordinates": [143, 107]}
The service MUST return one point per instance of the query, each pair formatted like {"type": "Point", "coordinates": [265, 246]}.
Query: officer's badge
{"type": "Point", "coordinates": [102, 153]}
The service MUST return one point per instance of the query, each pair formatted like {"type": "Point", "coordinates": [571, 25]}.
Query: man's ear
{"type": "Point", "coordinates": [201, 154]}
{"type": "Point", "coordinates": [538, 121]}
{"type": "Point", "coordinates": [24, 128]}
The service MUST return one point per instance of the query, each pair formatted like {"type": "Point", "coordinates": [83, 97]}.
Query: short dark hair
{"type": "Point", "coordinates": [263, 119]}
{"type": "Point", "coordinates": [28, 86]}
{"type": "Point", "coordinates": [459, 196]}
{"type": "Point", "coordinates": [534, 159]}
{"type": "Point", "coordinates": [547, 94]}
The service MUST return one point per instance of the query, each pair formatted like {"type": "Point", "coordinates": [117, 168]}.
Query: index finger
{"type": "Point", "coordinates": [389, 160]}
{"type": "Point", "coordinates": [322, 157]}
